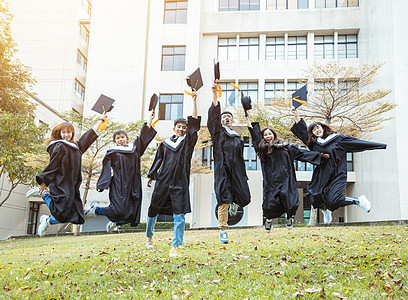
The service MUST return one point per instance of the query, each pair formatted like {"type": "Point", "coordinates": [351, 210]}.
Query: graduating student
{"type": "Point", "coordinates": [62, 177]}
{"type": "Point", "coordinates": [171, 170]}
{"type": "Point", "coordinates": [280, 194]}
{"type": "Point", "coordinates": [326, 188]}
{"type": "Point", "coordinates": [230, 179]}
{"type": "Point", "coordinates": [125, 185]}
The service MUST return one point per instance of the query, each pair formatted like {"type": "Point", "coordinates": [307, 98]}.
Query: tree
{"type": "Point", "coordinates": [343, 97]}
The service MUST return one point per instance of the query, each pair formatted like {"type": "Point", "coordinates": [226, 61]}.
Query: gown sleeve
{"type": "Point", "coordinates": [192, 130]}
{"type": "Point", "coordinates": [86, 140]}
{"type": "Point", "coordinates": [300, 130]}
{"type": "Point", "coordinates": [351, 144]}
{"type": "Point", "coordinates": [158, 160]}
{"type": "Point", "coordinates": [47, 176]}
{"type": "Point", "coordinates": [214, 120]}
{"type": "Point", "coordinates": [106, 174]}
{"type": "Point", "coordinates": [256, 135]}
{"type": "Point", "coordinates": [313, 157]}
{"type": "Point", "coordinates": [147, 134]}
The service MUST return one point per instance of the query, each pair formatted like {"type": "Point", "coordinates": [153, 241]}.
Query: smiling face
{"type": "Point", "coordinates": [318, 130]}
{"type": "Point", "coordinates": [268, 136]}
{"type": "Point", "coordinates": [121, 139]}
{"type": "Point", "coordinates": [180, 129]}
{"type": "Point", "coordinates": [227, 119]}
{"type": "Point", "coordinates": [66, 134]}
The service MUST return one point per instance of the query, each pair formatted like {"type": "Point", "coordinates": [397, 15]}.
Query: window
{"type": "Point", "coordinates": [175, 12]}
{"type": "Point", "coordinates": [286, 4]}
{"type": "Point", "coordinates": [349, 158]}
{"type": "Point", "coordinates": [171, 106]}
{"type": "Point", "coordinates": [228, 94]}
{"type": "Point", "coordinates": [79, 89]}
{"type": "Point", "coordinates": [81, 60]}
{"type": "Point", "coordinates": [297, 47]}
{"type": "Point", "coordinates": [274, 91]}
{"type": "Point", "coordinates": [292, 87]}
{"type": "Point", "coordinates": [324, 47]}
{"type": "Point", "coordinates": [275, 48]}
{"type": "Point", "coordinates": [336, 3]}
{"type": "Point", "coordinates": [347, 46]}
{"type": "Point", "coordinates": [33, 218]}
{"type": "Point", "coordinates": [227, 49]}
{"type": "Point", "coordinates": [84, 32]}
{"type": "Point", "coordinates": [173, 58]}
{"type": "Point", "coordinates": [235, 5]}
{"type": "Point", "coordinates": [348, 89]}
{"type": "Point", "coordinates": [248, 48]}
{"type": "Point", "coordinates": [249, 89]}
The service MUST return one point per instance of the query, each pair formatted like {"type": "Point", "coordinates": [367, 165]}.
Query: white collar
{"type": "Point", "coordinates": [175, 144]}
{"type": "Point", "coordinates": [127, 148]}
{"type": "Point", "coordinates": [65, 142]}
{"type": "Point", "coordinates": [322, 142]}
{"type": "Point", "coordinates": [230, 132]}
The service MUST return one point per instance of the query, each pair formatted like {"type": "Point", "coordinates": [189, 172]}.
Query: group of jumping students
{"type": "Point", "coordinates": [59, 183]}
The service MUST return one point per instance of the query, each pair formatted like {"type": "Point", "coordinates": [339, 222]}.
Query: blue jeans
{"type": "Point", "coordinates": [179, 224]}
{"type": "Point", "coordinates": [47, 198]}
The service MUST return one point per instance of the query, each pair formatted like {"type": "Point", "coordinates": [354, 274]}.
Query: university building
{"type": "Point", "coordinates": [137, 48]}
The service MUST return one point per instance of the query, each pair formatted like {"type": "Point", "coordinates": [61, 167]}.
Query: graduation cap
{"type": "Point", "coordinates": [216, 71]}
{"type": "Point", "coordinates": [299, 97]}
{"type": "Point", "coordinates": [195, 80]}
{"type": "Point", "coordinates": [153, 102]}
{"type": "Point", "coordinates": [103, 105]}
{"type": "Point", "coordinates": [246, 103]}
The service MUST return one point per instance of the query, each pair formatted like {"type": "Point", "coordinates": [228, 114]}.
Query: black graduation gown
{"type": "Point", "coordinates": [230, 179]}
{"type": "Point", "coordinates": [280, 194]}
{"type": "Point", "coordinates": [329, 180]}
{"type": "Point", "coordinates": [125, 186]}
{"type": "Point", "coordinates": [171, 170]}
{"type": "Point", "coordinates": [63, 178]}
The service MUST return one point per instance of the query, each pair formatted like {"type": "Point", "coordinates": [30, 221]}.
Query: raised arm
{"type": "Point", "coordinates": [194, 113]}
{"type": "Point", "coordinates": [248, 121]}
{"type": "Point", "coordinates": [295, 114]}
{"type": "Point", "coordinates": [256, 134]}
{"type": "Point", "coordinates": [214, 90]}
{"type": "Point", "coordinates": [151, 118]}
{"type": "Point", "coordinates": [351, 144]}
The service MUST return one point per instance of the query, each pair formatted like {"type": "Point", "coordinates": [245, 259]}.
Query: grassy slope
{"type": "Point", "coordinates": [313, 263]}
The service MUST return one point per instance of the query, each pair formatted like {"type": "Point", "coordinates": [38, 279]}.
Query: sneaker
{"type": "Point", "coordinates": [43, 225]}
{"type": "Point", "coordinates": [223, 237]}
{"type": "Point", "coordinates": [233, 209]}
{"type": "Point", "coordinates": [327, 216]}
{"type": "Point", "coordinates": [268, 225]}
{"type": "Point", "coordinates": [364, 203]}
{"type": "Point", "coordinates": [149, 243]}
{"type": "Point", "coordinates": [174, 251]}
{"type": "Point", "coordinates": [34, 192]}
{"type": "Point", "coordinates": [289, 223]}
{"type": "Point", "coordinates": [91, 211]}
{"type": "Point", "coordinates": [110, 226]}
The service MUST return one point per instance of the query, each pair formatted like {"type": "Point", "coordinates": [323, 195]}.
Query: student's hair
{"type": "Point", "coordinates": [180, 120]}
{"type": "Point", "coordinates": [227, 112]}
{"type": "Point", "coordinates": [120, 131]}
{"type": "Point", "coordinates": [265, 149]}
{"type": "Point", "coordinates": [56, 132]}
{"type": "Point", "coordinates": [327, 130]}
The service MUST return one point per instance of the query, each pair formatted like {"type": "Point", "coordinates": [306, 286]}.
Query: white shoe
{"type": "Point", "coordinates": [289, 223]}
{"type": "Point", "coordinates": [91, 211]}
{"type": "Point", "coordinates": [43, 225]}
{"type": "Point", "coordinates": [327, 216]}
{"type": "Point", "coordinates": [268, 225]}
{"type": "Point", "coordinates": [174, 252]}
{"type": "Point", "coordinates": [233, 209]}
{"type": "Point", "coordinates": [149, 243]}
{"type": "Point", "coordinates": [364, 203]}
{"type": "Point", "coordinates": [34, 192]}
{"type": "Point", "coordinates": [110, 226]}
{"type": "Point", "coordinates": [223, 237]}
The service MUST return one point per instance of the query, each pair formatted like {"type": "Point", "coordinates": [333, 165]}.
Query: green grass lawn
{"type": "Point", "coordinates": [356, 262]}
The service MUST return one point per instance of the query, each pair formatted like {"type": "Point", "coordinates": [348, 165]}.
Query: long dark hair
{"type": "Point", "coordinates": [265, 149]}
{"type": "Point", "coordinates": [327, 130]}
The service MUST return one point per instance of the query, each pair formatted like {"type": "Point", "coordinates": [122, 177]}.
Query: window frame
{"type": "Point", "coordinates": [253, 5]}
{"type": "Point", "coordinates": [297, 45]}
{"type": "Point", "coordinates": [80, 94]}
{"type": "Point", "coordinates": [275, 46]}
{"type": "Point", "coordinates": [177, 11]}
{"type": "Point", "coordinates": [348, 53]}
{"type": "Point", "coordinates": [324, 44]}
{"type": "Point", "coordinates": [164, 107]}
{"type": "Point", "coordinates": [174, 56]}
{"type": "Point", "coordinates": [231, 46]}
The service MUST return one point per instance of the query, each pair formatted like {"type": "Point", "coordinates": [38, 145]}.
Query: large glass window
{"type": "Point", "coordinates": [248, 48]}
{"type": "Point", "coordinates": [336, 3]}
{"type": "Point", "coordinates": [82, 61]}
{"type": "Point", "coordinates": [235, 5]}
{"type": "Point", "coordinates": [324, 47]}
{"type": "Point", "coordinates": [347, 46]}
{"type": "Point", "coordinates": [293, 86]}
{"type": "Point", "coordinates": [275, 48]}
{"type": "Point", "coordinates": [171, 106]}
{"type": "Point", "coordinates": [227, 49]}
{"type": "Point", "coordinates": [175, 12]}
{"type": "Point", "coordinates": [228, 94]}
{"type": "Point", "coordinates": [79, 89]}
{"type": "Point", "coordinates": [297, 47]}
{"type": "Point", "coordinates": [249, 89]}
{"type": "Point", "coordinates": [286, 4]}
{"type": "Point", "coordinates": [274, 91]}
{"type": "Point", "coordinates": [173, 58]}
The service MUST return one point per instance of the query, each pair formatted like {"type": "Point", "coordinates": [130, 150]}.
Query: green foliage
{"type": "Point", "coordinates": [355, 262]}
